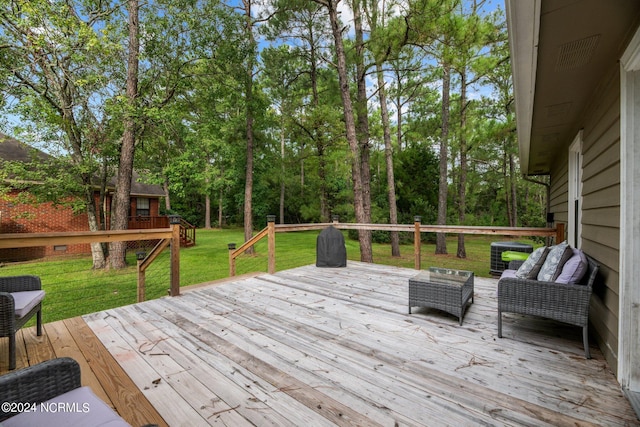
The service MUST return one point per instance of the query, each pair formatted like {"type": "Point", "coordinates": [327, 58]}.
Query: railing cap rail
{"type": "Point", "coordinates": [24, 240]}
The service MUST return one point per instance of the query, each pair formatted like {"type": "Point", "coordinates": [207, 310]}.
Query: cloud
{"type": "Point", "coordinates": [346, 16]}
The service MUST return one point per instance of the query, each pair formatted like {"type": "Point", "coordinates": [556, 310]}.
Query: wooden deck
{"type": "Point", "coordinates": [99, 370]}
{"type": "Point", "coordinates": [318, 347]}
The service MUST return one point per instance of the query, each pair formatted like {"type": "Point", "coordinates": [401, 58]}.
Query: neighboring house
{"type": "Point", "coordinates": [18, 217]}
{"type": "Point", "coordinates": [576, 67]}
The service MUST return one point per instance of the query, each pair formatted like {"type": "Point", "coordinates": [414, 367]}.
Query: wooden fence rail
{"type": "Point", "coordinates": [417, 228]}
{"type": "Point", "coordinates": [165, 236]}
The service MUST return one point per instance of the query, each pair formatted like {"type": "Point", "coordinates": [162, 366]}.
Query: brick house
{"type": "Point", "coordinates": [18, 216]}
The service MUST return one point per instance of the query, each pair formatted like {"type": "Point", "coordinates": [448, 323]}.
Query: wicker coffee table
{"type": "Point", "coordinates": [442, 288]}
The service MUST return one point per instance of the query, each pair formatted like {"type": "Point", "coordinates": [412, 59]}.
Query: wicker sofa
{"type": "Point", "coordinates": [50, 393]}
{"type": "Point", "coordinates": [568, 303]}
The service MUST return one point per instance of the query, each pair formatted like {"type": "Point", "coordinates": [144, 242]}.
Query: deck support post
{"type": "Point", "coordinates": [140, 256]}
{"type": "Point", "coordinates": [416, 241]}
{"type": "Point", "coordinates": [560, 232]}
{"type": "Point", "coordinates": [271, 243]}
{"type": "Point", "coordinates": [175, 255]}
{"type": "Point", "coordinates": [232, 260]}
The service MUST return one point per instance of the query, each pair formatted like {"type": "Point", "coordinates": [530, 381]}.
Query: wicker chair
{"type": "Point", "coordinates": [39, 383]}
{"type": "Point", "coordinates": [20, 298]}
{"type": "Point", "coordinates": [29, 394]}
{"type": "Point", "coordinates": [557, 301]}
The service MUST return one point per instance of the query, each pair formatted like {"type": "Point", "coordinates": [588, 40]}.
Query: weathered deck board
{"type": "Point", "coordinates": [122, 392]}
{"type": "Point", "coordinates": [376, 384]}
{"type": "Point", "coordinates": [371, 325]}
{"type": "Point", "coordinates": [73, 338]}
{"type": "Point", "coordinates": [313, 346]}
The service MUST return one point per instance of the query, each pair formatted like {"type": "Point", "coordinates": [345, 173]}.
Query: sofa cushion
{"type": "Point", "coordinates": [79, 407]}
{"type": "Point", "coordinates": [574, 269]}
{"type": "Point", "coordinates": [510, 274]}
{"type": "Point", "coordinates": [556, 258]}
{"type": "Point", "coordinates": [24, 301]}
{"type": "Point", "coordinates": [530, 268]}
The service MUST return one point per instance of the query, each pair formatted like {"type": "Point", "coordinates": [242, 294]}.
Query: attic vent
{"type": "Point", "coordinates": [576, 53]}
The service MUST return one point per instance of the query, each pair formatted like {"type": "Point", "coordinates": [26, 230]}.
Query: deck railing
{"type": "Point", "coordinates": [187, 230]}
{"type": "Point", "coordinates": [417, 228]}
{"type": "Point", "coordinates": [187, 233]}
{"type": "Point", "coordinates": [164, 236]}
{"type": "Point", "coordinates": [141, 222]}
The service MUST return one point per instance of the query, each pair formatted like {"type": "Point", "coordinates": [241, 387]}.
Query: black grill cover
{"type": "Point", "coordinates": [330, 249]}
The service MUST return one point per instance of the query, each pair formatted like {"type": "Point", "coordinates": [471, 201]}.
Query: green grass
{"type": "Point", "coordinates": [74, 288]}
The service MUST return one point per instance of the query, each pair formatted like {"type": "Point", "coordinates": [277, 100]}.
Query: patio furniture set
{"type": "Point", "coordinates": [554, 282]}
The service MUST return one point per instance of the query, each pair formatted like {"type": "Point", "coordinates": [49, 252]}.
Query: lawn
{"type": "Point", "coordinates": [74, 288]}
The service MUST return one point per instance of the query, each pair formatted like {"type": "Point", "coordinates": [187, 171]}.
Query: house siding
{"type": "Point", "coordinates": [600, 205]}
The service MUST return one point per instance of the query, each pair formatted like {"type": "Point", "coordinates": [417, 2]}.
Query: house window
{"type": "Point", "coordinates": [574, 228]}
{"type": "Point", "coordinates": [142, 206]}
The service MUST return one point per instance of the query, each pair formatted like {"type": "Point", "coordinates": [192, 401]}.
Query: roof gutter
{"type": "Point", "coordinates": [523, 23]}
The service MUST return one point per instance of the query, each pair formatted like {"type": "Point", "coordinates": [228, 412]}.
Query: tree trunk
{"type": "Point", "coordinates": [362, 112]}
{"type": "Point", "coordinates": [248, 185]}
{"type": "Point", "coordinates": [121, 207]}
{"type": "Point", "coordinates": [322, 175]}
{"type": "Point", "coordinates": [388, 154]}
{"type": "Point", "coordinates": [99, 252]}
{"type": "Point", "coordinates": [441, 242]}
{"type": "Point", "coordinates": [366, 254]}
{"type": "Point", "coordinates": [207, 211]}
{"type": "Point", "coordinates": [97, 249]}
{"type": "Point", "coordinates": [282, 174]}
{"type": "Point", "coordinates": [507, 184]}
{"type": "Point", "coordinates": [514, 201]}
{"type": "Point", "coordinates": [220, 218]}
{"type": "Point", "coordinates": [399, 118]}
{"type": "Point", "coordinates": [462, 182]}
{"type": "Point", "coordinates": [302, 177]}
{"type": "Point", "coordinates": [167, 200]}
{"type": "Point", "coordinates": [207, 198]}
{"type": "Point", "coordinates": [101, 209]}
{"type": "Point", "coordinates": [319, 137]}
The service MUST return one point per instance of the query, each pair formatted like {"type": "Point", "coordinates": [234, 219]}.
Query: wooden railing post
{"type": "Point", "coordinates": [416, 241]}
{"type": "Point", "coordinates": [174, 221]}
{"type": "Point", "coordinates": [559, 232]}
{"type": "Point", "coordinates": [140, 256]}
{"type": "Point", "coordinates": [271, 243]}
{"type": "Point", "coordinates": [335, 219]}
{"type": "Point", "coordinates": [232, 260]}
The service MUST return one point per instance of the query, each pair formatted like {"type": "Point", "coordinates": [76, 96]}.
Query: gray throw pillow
{"type": "Point", "coordinates": [530, 268]}
{"type": "Point", "coordinates": [574, 269]}
{"type": "Point", "coordinates": [552, 267]}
